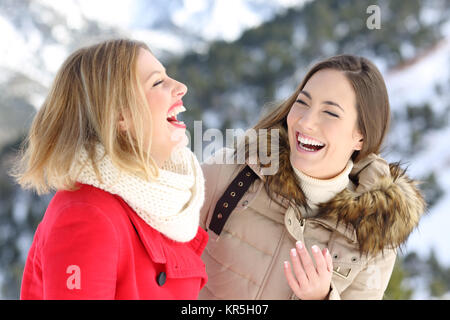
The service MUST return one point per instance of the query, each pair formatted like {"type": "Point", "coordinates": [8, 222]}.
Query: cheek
{"type": "Point", "coordinates": [340, 138]}
{"type": "Point", "coordinates": [292, 117]}
{"type": "Point", "coordinates": [157, 104]}
{"type": "Point", "coordinates": [158, 109]}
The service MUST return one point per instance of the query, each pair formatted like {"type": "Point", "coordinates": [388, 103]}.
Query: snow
{"type": "Point", "coordinates": [18, 51]}
{"type": "Point", "coordinates": [415, 85]}
{"type": "Point", "coordinates": [227, 20]}
{"type": "Point", "coordinates": [118, 13]}
{"type": "Point", "coordinates": [69, 9]}
{"type": "Point", "coordinates": [433, 232]}
{"type": "Point", "coordinates": [54, 55]}
{"type": "Point", "coordinates": [110, 12]}
{"type": "Point", "coordinates": [159, 40]}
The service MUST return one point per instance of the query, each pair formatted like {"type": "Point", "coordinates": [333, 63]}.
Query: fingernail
{"type": "Point", "coordinates": [328, 252]}
{"type": "Point", "coordinates": [286, 264]}
{"type": "Point", "coordinates": [299, 245]}
{"type": "Point", "coordinates": [294, 252]}
{"type": "Point", "coordinates": [315, 248]}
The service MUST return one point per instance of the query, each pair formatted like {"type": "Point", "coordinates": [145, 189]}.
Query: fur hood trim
{"type": "Point", "coordinates": [383, 216]}
{"type": "Point", "coordinates": [380, 213]}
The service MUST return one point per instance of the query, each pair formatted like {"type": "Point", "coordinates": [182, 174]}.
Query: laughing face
{"type": "Point", "coordinates": [322, 125]}
{"type": "Point", "coordinates": [163, 95]}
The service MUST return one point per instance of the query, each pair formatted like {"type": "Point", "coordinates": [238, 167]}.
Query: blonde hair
{"type": "Point", "coordinates": [92, 90]}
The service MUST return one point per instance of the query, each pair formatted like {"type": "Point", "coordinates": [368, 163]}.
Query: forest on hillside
{"type": "Point", "coordinates": [231, 84]}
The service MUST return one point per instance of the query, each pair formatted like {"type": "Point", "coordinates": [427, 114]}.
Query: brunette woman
{"type": "Point", "coordinates": [334, 208]}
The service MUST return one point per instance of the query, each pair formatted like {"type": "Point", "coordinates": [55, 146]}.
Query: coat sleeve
{"type": "Point", "coordinates": [211, 172]}
{"type": "Point", "coordinates": [372, 281]}
{"type": "Point", "coordinates": [334, 293]}
{"type": "Point", "coordinates": [80, 255]}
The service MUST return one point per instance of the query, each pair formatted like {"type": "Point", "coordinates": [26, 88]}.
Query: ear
{"type": "Point", "coordinates": [360, 140]}
{"type": "Point", "coordinates": [359, 145]}
{"type": "Point", "coordinates": [122, 125]}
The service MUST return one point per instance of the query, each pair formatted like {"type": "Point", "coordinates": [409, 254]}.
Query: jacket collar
{"type": "Point", "coordinates": [383, 216]}
{"type": "Point", "coordinates": [381, 213]}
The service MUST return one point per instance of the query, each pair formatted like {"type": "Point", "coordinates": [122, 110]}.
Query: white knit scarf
{"type": "Point", "coordinates": [170, 205]}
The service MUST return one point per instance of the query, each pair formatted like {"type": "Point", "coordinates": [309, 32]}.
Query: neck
{"type": "Point", "coordinates": [322, 190]}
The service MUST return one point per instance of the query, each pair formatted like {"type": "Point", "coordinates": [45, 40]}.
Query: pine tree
{"type": "Point", "coordinates": [397, 288]}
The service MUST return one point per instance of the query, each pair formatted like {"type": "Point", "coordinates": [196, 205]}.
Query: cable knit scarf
{"type": "Point", "coordinates": [170, 205]}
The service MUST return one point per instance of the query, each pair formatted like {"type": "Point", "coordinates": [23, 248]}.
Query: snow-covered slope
{"type": "Point", "coordinates": [417, 84]}
{"type": "Point", "coordinates": [209, 19]}
{"type": "Point", "coordinates": [180, 25]}
{"type": "Point", "coordinates": [169, 27]}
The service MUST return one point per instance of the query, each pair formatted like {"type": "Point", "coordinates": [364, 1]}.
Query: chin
{"type": "Point", "coordinates": [301, 165]}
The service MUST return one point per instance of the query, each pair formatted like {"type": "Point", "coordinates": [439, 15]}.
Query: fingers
{"type": "Point", "coordinates": [298, 268]}
{"type": "Point", "coordinates": [290, 279]}
{"type": "Point", "coordinates": [328, 260]}
{"type": "Point", "coordinates": [321, 264]}
{"type": "Point", "coordinates": [308, 265]}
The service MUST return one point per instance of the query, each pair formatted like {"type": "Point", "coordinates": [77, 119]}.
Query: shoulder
{"type": "Point", "coordinates": [225, 164]}
{"type": "Point", "coordinates": [220, 168]}
{"type": "Point", "coordinates": [87, 207]}
{"type": "Point", "coordinates": [383, 214]}
{"type": "Point", "coordinates": [87, 196]}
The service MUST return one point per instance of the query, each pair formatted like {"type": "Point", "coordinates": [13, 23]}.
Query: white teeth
{"type": "Point", "coordinates": [309, 141]}
{"type": "Point", "coordinates": [176, 111]}
{"type": "Point", "coordinates": [307, 149]}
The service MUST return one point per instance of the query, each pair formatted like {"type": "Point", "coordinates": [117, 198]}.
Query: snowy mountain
{"type": "Point", "coordinates": [208, 20]}
{"type": "Point", "coordinates": [39, 34]}
{"type": "Point", "coordinates": [426, 81]}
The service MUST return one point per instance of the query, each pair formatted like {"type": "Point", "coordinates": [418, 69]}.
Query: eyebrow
{"type": "Point", "coordinates": [306, 93]}
{"type": "Point", "coordinates": [334, 104]}
{"type": "Point", "coordinates": [151, 74]}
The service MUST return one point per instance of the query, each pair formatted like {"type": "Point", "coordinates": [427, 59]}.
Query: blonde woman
{"type": "Point", "coordinates": [123, 223]}
{"type": "Point", "coordinates": [328, 223]}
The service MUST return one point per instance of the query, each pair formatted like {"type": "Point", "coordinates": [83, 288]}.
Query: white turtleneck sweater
{"type": "Point", "coordinates": [317, 190]}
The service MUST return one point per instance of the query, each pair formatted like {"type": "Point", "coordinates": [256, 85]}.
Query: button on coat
{"type": "Point", "coordinates": [116, 254]}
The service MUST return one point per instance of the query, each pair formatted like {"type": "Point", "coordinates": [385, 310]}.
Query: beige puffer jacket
{"type": "Point", "coordinates": [246, 260]}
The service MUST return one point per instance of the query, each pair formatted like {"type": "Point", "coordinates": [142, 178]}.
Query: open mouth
{"type": "Point", "coordinates": [172, 115]}
{"type": "Point", "coordinates": [308, 144]}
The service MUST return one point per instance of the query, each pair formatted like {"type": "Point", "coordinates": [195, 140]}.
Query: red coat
{"type": "Point", "coordinates": [92, 245]}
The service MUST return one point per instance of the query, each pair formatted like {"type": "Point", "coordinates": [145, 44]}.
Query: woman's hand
{"type": "Point", "coordinates": [312, 283]}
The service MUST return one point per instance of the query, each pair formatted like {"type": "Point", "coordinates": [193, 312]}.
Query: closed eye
{"type": "Point", "coordinates": [301, 101]}
{"type": "Point", "coordinates": [328, 112]}
{"type": "Point", "coordinates": [332, 114]}
{"type": "Point", "coordinates": [157, 83]}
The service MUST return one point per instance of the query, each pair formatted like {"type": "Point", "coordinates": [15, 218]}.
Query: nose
{"type": "Point", "coordinates": [308, 120]}
{"type": "Point", "coordinates": [179, 89]}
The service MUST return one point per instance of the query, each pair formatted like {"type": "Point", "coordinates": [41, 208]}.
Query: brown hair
{"type": "Point", "coordinates": [372, 105]}
{"type": "Point", "coordinates": [92, 90]}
